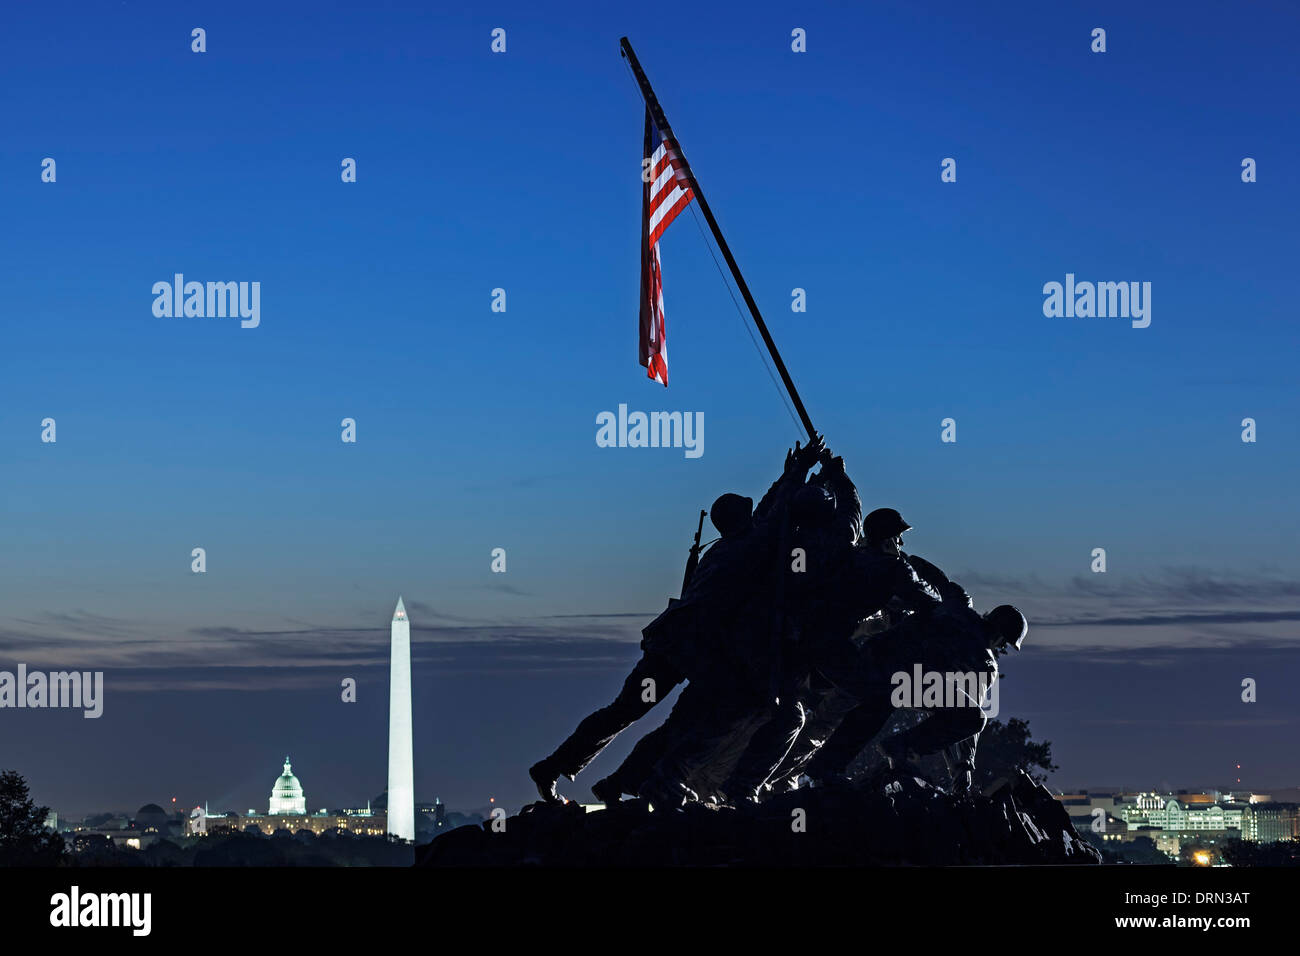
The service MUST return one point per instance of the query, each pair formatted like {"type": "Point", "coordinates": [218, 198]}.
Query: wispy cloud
{"type": "Point", "coordinates": [146, 655]}
{"type": "Point", "coordinates": [1180, 607]}
{"type": "Point", "coordinates": [1136, 620]}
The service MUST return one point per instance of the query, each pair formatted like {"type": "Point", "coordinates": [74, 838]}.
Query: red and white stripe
{"type": "Point", "coordinates": [669, 190]}
{"type": "Point", "coordinates": [657, 360]}
{"type": "Point", "coordinates": [665, 193]}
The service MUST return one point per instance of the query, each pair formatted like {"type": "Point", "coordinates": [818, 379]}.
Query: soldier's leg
{"type": "Point", "coordinates": [825, 707]}
{"type": "Point", "coordinates": [714, 727]}
{"type": "Point", "coordinates": [858, 675]}
{"type": "Point", "coordinates": [767, 749]}
{"type": "Point", "coordinates": [940, 729]}
{"type": "Point", "coordinates": [637, 766]}
{"type": "Point", "coordinates": [847, 740]}
{"type": "Point", "coordinates": [719, 777]}
{"type": "Point", "coordinates": [650, 680]}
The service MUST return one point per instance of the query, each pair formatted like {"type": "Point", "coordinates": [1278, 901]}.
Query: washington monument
{"type": "Point", "coordinates": [401, 785]}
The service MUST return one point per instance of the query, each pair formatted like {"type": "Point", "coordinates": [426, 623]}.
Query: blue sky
{"type": "Point", "coordinates": [476, 429]}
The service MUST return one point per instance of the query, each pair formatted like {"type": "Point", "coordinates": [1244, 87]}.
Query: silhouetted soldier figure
{"type": "Point", "coordinates": [849, 586]}
{"type": "Point", "coordinates": [747, 686]}
{"type": "Point", "coordinates": [960, 644]}
{"type": "Point", "coordinates": [828, 522]}
{"type": "Point", "coordinates": [683, 641]}
{"type": "Point", "coordinates": [842, 727]}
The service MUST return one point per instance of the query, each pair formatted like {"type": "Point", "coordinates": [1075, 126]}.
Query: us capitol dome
{"type": "Point", "coordinates": [286, 795]}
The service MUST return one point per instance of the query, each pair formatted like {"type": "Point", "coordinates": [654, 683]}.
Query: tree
{"type": "Point", "coordinates": [1243, 853]}
{"type": "Point", "coordinates": [1005, 748]}
{"type": "Point", "coordinates": [165, 853]}
{"type": "Point", "coordinates": [24, 841]}
{"type": "Point", "coordinates": [1138, 850]}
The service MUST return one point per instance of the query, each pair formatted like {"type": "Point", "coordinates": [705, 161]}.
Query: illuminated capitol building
{"type": "Point", "coordinates": [287, 810]}
{"type": "Point", "coordinates": [288, 807]}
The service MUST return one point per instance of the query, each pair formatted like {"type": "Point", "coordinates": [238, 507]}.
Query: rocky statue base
{"type": "Point", "coordinates": [889, 819]}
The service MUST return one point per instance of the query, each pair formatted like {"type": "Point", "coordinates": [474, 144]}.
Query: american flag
{"type": "Point", "coordinates": [664, 194]}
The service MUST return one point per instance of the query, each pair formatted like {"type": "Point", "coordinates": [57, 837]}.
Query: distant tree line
{"type": "Point", "coordinates": [24, 840]}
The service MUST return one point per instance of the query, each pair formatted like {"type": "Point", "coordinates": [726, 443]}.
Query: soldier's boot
{"type": "Point", "coordinates": [545, 777]}
{"type": "Point", "coordinates": [666, 795]}
{"type": "Point", "coordinates": [900, 758]}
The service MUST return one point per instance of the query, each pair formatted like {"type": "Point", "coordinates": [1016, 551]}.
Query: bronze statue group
{"type": "Point", "coordinates": [792, 636]}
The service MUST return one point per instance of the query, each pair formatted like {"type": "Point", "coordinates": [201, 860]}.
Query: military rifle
{"type": "Point", "coordinates": [694, 560]}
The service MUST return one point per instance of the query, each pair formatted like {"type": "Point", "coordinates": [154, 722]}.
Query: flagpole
{"type": "Point", "coordinates": [657, 114]}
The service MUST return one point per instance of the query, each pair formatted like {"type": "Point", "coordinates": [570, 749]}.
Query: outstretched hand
{"type": "Point", "coordinates": [805, 457]}
{"type": "Point", "coordinates": [831, 460]}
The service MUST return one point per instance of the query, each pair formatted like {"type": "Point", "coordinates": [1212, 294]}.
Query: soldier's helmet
{"type": "Point", "coordinates": [883, 524]}
{"type": "Point", "coordinates": [732, 514]}
{"type": "Point", "coordinates": [1008, 624]}
{"type": "Point", "coordinates": [813, 506]}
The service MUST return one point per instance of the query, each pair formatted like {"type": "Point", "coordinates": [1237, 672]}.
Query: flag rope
{"type": "Point", "coordinates": [785, 402]}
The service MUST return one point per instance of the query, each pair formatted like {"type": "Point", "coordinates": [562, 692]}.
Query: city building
{"type": "Point", "coordinates": [286, 794]}
{"type": "Point", "coordinates": [150, 824]}
{"type": "Point", "coordinates": [1183, 815]}
{"type": "Point", "coordinates": [1172, 820]}
{"type": "Point", "coordinates": [1104, 826]}
{"type": "Point", "coordinates": [323, 821]}
{"type": "Point", "coordinates": [1269, 822]}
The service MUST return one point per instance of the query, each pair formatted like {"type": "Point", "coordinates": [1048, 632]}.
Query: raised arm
{"type": "Point", "coordinates": [848, 506]}
{"type": "Point", "coordinates": [797, 462]}
{"type": "Point", "coordinates": [950, 591]}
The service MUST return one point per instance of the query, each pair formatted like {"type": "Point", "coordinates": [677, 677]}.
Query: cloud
{"type": "Point", "coordinates": [1186, 585]}
{"type": "Point", "coordinates": [222, 656]}
{"type": "Point", "coordinates": [1182, 585]}
{"type": "Point", "coordinates": [503, 588]}
{"type": "Point", "coordinates": [1130, 619]}
{"type": "Point", "coordinates": [1161, 618]}
{"type": "Point", "coordinates": [1178, 607]}
{"type": "Point", "coordinates": [419, 609]}
{"type": "Point", "coordinates": [1182, 722]}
